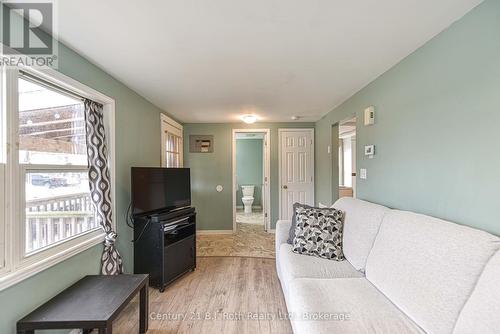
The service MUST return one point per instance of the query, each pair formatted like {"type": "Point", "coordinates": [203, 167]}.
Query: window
{"type": "Point", "coordinates": [173, 150]}
{"type": "Point", "coordinates": [47, 213]}
{"type": "Point", "coordinates": [51, 138]}
{"type": "Point", "coordinates": [172, 141]}
{"type": "Point", "coordinates": [51, 126]}
{"type": "Point", "coordinates": [51, 199]}
{"type": "Point", "coordinates": [3, 159]}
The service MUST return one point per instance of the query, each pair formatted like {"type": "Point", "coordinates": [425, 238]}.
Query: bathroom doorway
{"type": "Point", "coordinates": [347, 158]}
{"type": "Point", "coordinates": [251, 193]}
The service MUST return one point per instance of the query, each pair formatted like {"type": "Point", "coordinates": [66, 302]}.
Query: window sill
{"type": "Point", "coordinates": [11, 278]}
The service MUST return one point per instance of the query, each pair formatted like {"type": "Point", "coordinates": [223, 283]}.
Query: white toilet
{"type": "Point", "coordinates": [247, 198]}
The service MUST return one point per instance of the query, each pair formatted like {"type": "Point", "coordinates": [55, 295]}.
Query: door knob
{"type": "Point", "coordinates": [285, 187]}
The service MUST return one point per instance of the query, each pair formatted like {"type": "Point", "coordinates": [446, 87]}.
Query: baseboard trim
{"type": "Point", "coordinates": [214, 232]}
{"type": "Point", "coordinates": [241, 207]}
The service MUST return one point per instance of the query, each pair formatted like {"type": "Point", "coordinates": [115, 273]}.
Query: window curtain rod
{"type": "Point", "coordinates": [30, 77]}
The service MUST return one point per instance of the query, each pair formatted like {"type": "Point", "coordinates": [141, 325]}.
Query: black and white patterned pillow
{"type": "Point", "coordinates": [319, 233]}
{"type": "Point", "coordinates": [297, 207]}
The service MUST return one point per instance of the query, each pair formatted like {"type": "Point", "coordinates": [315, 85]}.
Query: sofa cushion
{"type": "Point", "coordinates": [361, 223]}
{"type": "Point", "coordinates": [428, 267]}
{"type": "Point", "coordinates": [293, 265]}
{"type": "Point", "coordinates": [353, 305]}
{"type": "Point", "coordinates": [481, 313]}
{"type": "Point", "coordinates": [319, 233]}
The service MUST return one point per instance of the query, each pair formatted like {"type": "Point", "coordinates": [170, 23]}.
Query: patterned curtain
{"type": "Point", "coordinates": [100, 185]}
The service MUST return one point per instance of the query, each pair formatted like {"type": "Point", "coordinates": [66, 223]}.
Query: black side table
{"type": "Point", "coordinates": [92, 302]}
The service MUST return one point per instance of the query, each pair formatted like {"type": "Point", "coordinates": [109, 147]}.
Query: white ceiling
{"type": "Point", "coordinates": [213, 60]}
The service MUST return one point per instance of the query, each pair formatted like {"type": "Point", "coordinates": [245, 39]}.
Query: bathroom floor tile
{"type": "Point", "coordinates": [250, 241]}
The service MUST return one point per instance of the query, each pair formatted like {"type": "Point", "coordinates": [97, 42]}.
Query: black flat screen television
{"type": "Point", "coordinates": [156, 190]}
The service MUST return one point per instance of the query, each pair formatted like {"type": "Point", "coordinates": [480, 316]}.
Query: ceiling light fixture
{"type": "Point", "coordinates": [249, 119]}
{"type": "Point", "coordinates": [295, 118]}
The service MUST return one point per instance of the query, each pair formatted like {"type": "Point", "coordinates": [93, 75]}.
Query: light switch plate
{"type": "Point", "coordinates": [363, 173]}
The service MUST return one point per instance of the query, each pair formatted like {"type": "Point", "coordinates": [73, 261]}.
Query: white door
{"type": "Point", "coordinates": [296, 169]}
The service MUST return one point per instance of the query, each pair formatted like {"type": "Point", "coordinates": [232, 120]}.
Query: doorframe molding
{"type": "Point", "coordinates": [266, 203]}
{"type": "Point", "coordinates": [280, 184]}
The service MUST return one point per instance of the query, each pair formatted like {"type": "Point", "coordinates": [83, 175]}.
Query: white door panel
{"type": "Point", "coordinates": [297, 169]}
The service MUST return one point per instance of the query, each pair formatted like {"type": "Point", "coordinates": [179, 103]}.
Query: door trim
{"type": "Point", "coordinates": [266, 203]}
{"type": "Point", "coordinates": [280, 130]}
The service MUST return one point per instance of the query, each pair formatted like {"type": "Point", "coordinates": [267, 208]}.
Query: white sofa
{"type": "Point", "coordinates": [404, 273]}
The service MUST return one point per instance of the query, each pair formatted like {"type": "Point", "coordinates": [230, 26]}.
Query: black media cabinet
{"type": "Point", "coordinates": [165, 246]}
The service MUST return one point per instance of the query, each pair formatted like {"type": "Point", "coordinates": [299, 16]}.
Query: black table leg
{"type": "Point", "coordinates": [143, 309]}
{"type": "Point", "coordinates": [87, 330]}
{"type": "Point", "coordinates": [106, 330]}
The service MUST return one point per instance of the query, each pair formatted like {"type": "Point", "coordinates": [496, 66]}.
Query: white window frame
{"type": "Point", "coordinates": [3, 153]}
{"type": "Point", "coordinates": [173, 127]}
{"type": "Point", "coordinates": [17, 265]}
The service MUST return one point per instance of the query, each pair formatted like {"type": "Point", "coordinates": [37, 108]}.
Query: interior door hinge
{"type": "Point", "coordinates": [265, 215]}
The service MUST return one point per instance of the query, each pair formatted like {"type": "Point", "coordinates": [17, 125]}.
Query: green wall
{"type": "Point", "coordinates": [249, 168]}
{"type": "Point", "coordinates": [437, 128]}
{"type": "Point", "coordinates": [210, 169]}
{"type": "Point", "coordinates": [137, 144]}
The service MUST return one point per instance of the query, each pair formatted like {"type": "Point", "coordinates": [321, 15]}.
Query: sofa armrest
{"type": "Point", "coordinates": [282, 232]}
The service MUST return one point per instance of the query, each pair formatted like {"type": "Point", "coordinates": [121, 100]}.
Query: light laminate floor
{"type": "Point", "coordinates": [221, 296]}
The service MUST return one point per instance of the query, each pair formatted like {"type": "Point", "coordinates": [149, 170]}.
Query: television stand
{"type": "Point", "coordinates": [165, 246]}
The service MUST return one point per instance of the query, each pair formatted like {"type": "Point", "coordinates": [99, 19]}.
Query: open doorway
{"type": "Point", "coordinates": [347, 158]}
{"type": "Point", "coordinates": [251, 180]}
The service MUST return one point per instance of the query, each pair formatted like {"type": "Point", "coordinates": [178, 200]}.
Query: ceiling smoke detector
{"type": "Point", "coordinates": [249, 119]}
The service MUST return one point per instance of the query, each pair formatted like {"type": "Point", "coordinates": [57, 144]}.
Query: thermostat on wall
{"type": "Point", "coordinates": [370, 150]}
{"type": "Point", "coordinates": [370, 115]}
